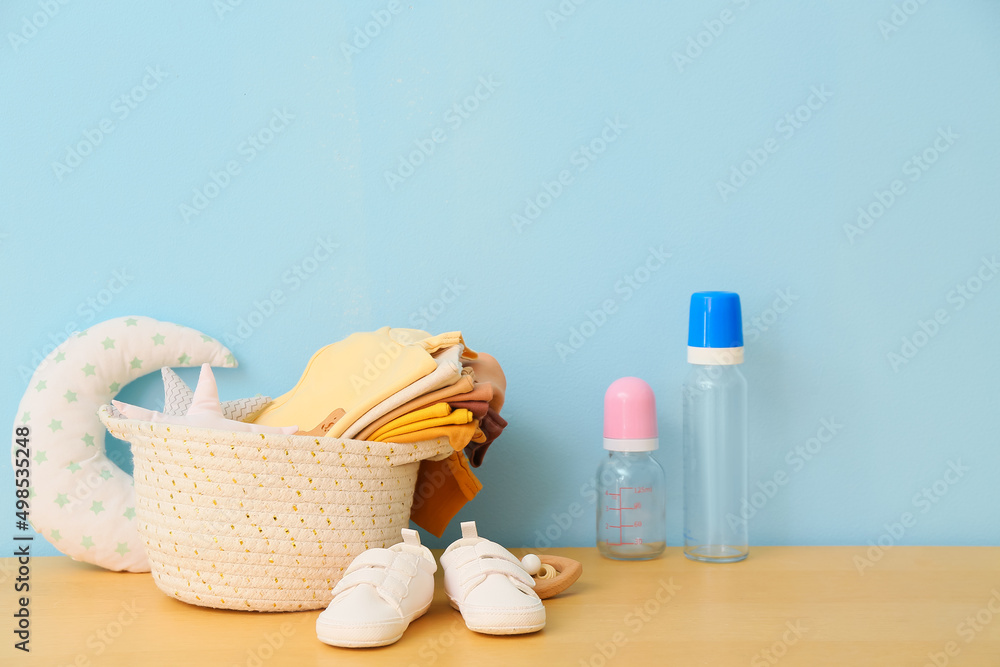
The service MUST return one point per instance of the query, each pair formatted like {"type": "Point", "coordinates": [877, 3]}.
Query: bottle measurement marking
{"type": "Point", "coordinates": [621, 526]}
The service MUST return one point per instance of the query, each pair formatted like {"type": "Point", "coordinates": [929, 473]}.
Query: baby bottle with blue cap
{"type": "Point", "coordinates": [715, 432]}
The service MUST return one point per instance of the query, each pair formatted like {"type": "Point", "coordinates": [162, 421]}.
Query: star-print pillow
{"type": "Point", "coordinates": [80, 500]}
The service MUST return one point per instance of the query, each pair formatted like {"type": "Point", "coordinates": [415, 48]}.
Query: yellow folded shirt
{"type": "Point", "coordinates": [459, 435]}
{"type": "Point", "coordinates": [435, 411]}
{"type": "Point", "coordinates": [346, 379]}
{"type": "Point", "coordinates": [458, 417]}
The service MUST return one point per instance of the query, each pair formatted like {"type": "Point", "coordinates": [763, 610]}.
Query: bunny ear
{"type": "Point", "coordinates": [206, 395]}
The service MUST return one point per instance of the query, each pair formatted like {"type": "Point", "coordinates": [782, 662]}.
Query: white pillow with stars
{"type": "Point", "coordinates": [79, 499]}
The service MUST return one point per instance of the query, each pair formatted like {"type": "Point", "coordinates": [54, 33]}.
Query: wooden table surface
{"type": "Point", "coordinates": [782, 606]}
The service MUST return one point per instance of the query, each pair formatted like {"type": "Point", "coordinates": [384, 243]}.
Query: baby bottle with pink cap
{"type": "Point", "coordinates": [631, 511]}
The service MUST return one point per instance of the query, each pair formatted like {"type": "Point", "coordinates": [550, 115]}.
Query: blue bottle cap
{"type": "Point", "coordinates": [716, 320]}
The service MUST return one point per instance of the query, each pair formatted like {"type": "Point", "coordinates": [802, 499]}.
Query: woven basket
{"type": "Point", "coordinates": [264, 522]}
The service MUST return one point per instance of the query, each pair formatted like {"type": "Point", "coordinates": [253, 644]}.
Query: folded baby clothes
{"type": "Point", "coordinates": [430, 412]}
{"type": "Point", "coordinates": [443, 488]}
{"type": "Point", "coordinates": [486, 369]}
{"type": "Point", "coordinates": [464, 385]}
{"type": "Point", "coordinates": [398, 386]}
{"type": "Point", "coordinates": [395, 428]}
{"type": "Point", "coordinates": [345, 380]}
{"type": "Point", "coordinates": [490, 428]}
{"type": "Point", "coordinates": [459, 435]}
{"type": "Point", "coordinates": [431, 343]}
{"type": "Point", "coordinates": [448, 371]}
{"type": "Point", "coordinates": [477, 408]}
{"type": "Point", "coordinates": [481, 391]}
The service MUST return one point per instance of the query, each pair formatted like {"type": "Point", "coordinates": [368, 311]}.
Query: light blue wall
{"type": "Point", "coordinates": [554, 86]}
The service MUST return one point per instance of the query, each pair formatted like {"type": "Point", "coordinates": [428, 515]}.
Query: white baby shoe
{"type": "Point", "coordinates": [490, 587]}
{"type": "Point", "coordinates": [382, 591]}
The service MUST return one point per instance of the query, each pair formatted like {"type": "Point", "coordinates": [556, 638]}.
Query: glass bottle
{"type": "Point", "coordinates": [715, 432]}
{"type": "Point", "coordinates": [631, 506]}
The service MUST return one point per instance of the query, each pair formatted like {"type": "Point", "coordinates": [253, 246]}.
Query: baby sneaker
{"type": "Point", "coordinates": [490, 587]}
{"type": "Point", "coordinates": [382, 591]}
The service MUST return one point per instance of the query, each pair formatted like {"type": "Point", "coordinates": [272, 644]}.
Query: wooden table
{"type": "Point", "coordinates": [783, 606]}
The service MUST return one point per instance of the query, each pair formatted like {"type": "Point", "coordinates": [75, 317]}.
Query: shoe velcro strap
{"type": "Point", "coordinates": [383, 559]}
{"type": "Point", "coordinates": [494, 550]}
{"type": "Point", "coordinates": [393, 589]}
{"type": "Point", "coordinates": [378, 558]}
{"type": "Point", "coordinates": [484, 549]}
{"type": "Point", "coordinates": [405, 563]}
{"type": "Point", "coordinates": [473, 573]}
{"type": "Point", "coordinates": [388, 584]}
{"type": "Point", "coordinates": [358, 577]}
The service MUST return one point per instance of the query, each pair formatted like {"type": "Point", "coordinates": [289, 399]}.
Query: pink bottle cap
{"type": "Point", "coordinates": [630, 416]}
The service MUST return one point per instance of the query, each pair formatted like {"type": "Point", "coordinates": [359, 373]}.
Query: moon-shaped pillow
{"type": "Point", "coordinates": [79, 500]}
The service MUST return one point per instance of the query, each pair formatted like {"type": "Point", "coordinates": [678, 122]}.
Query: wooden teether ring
{"type": "Point", "coordinates": [568, 571]}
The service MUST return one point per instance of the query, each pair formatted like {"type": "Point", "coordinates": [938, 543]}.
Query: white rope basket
{"type": "Point", "coordinates": [264, 522]}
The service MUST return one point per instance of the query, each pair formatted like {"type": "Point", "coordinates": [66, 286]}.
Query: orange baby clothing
{"type": "Point", "coordinates": [443, 488]}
